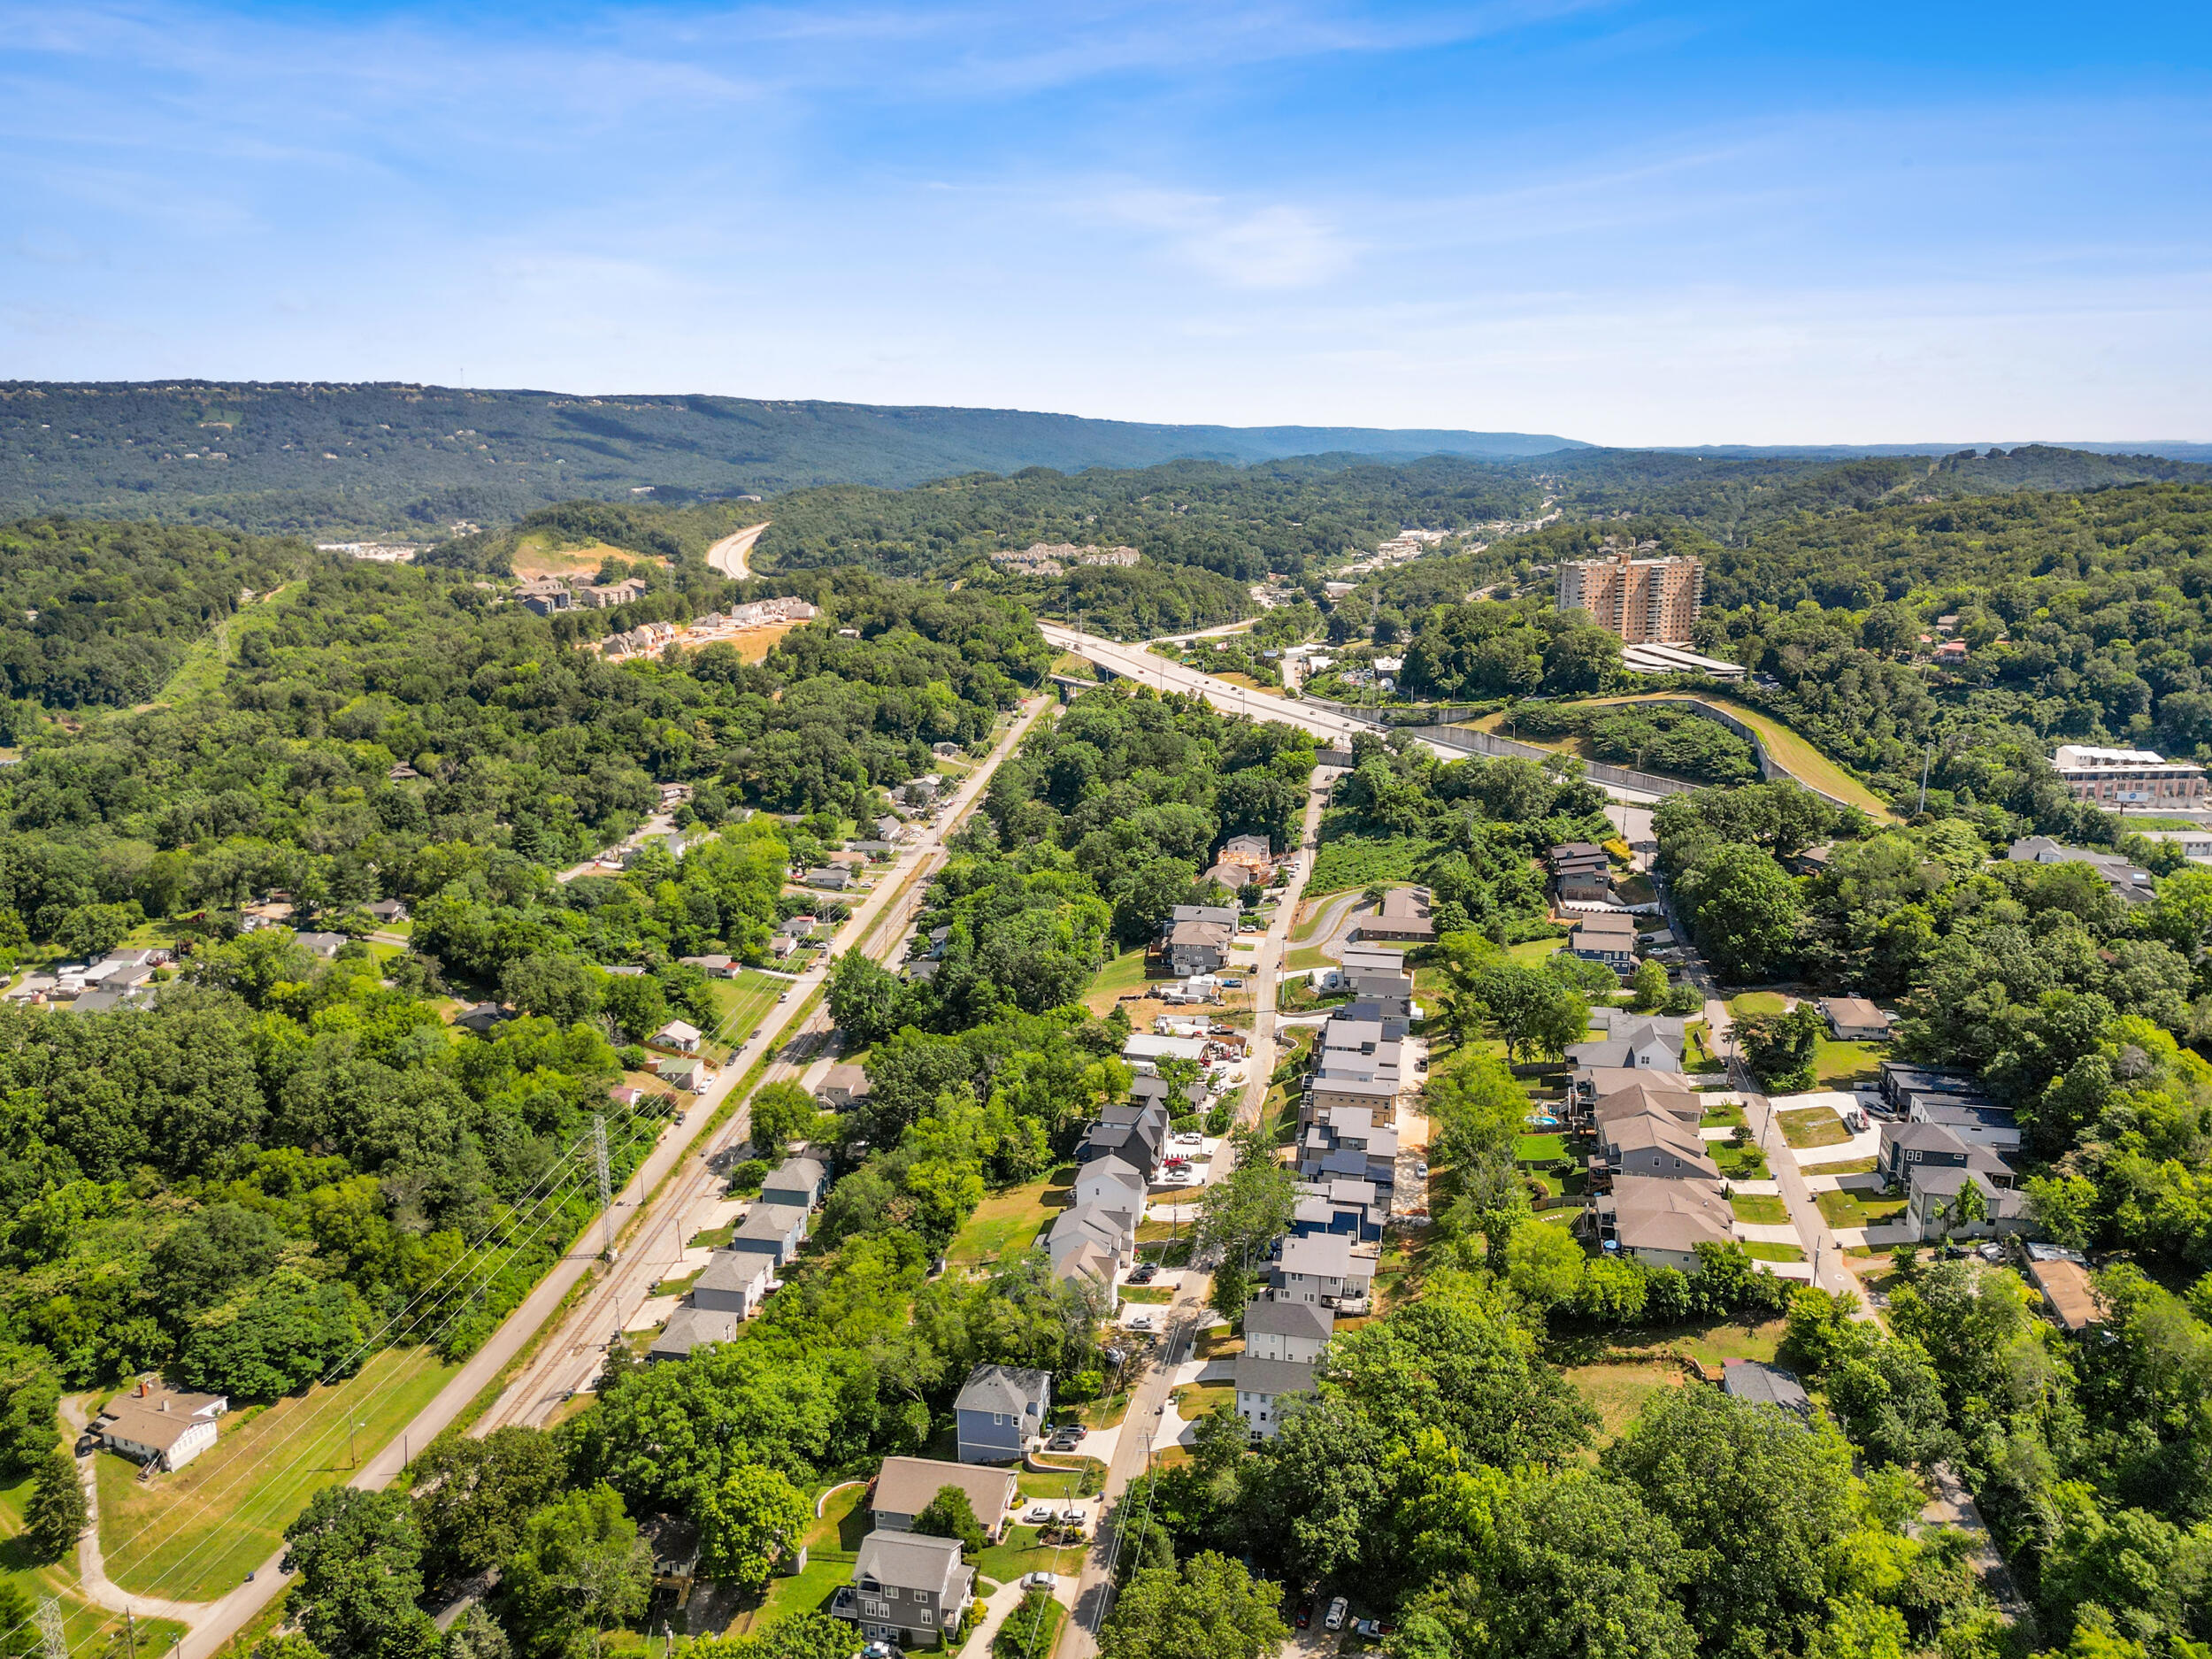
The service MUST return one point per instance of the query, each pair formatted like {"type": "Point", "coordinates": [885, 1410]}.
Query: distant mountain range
{"type": "Point", "coordinates": [333, 459]}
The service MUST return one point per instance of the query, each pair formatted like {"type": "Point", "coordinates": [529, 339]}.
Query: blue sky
{"type": "Point", "coordinates": [1628, 222]}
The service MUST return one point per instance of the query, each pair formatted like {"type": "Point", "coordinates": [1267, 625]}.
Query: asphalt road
{"type": "Point", "coordinates": [733, 554]}
{"type": "Point", "coordinates": [529, 1398]}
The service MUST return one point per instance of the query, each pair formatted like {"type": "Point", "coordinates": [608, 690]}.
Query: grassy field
{"type": "Point", "coordinates": [1855, 1166]}
{"type": "Point", "coordinates": [1124, 973]}
{"type": "Point", "coordinates": [1021, 1553]}
{"type": "Point", "coordinates": [1739, 1163]}
{"type": "Point", "coordinates": [1007, 1223]}
{"type": "Point", "coordinates": [1813, 1127]}
{"type": "Point", "coordinates": [209, 658]}
{"type": "Point", "coordinates": [195, 1534]}
{"type": "Point", "coordinates": [1722, 1115]}
{"type": "Point", "coordinates": [1306, 957]}
{"type": "Point", "coordinates": [1756, 1002]}
{"type": "Point", "coordinates": [1538, 1148]}
{"type": "Point", "coordinates": [1708, 1344]}
{"type": "Point", "coordinates": [1764, 1209]}
{"type": "Point", "coordinates": [1619, 1393]}
{"type": "Point", "coordinates": [1147, 1295]}
{"type": "Point", "coordinates": [1839, 1065]}
{"type": "Point", "coordinates": [91, 1632]}
{"type": "Point", "coordinates": [1774, 1252]}
{"type": "Point", "coordinates": [744, 1002]}
{"type": "Point", "coordinates": [1857, 1210]}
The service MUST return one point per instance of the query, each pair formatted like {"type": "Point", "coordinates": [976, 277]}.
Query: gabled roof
{"type": "Point", "coordinates": [1326, 1255]}
{"type": "Point", "coordinates": [1115, 1170]}
{"type": "Point", "coordinates": [1270, 1317]}
{"type": "Point", "coordinates": [1004, 1388]}
{"type": "Point", "coordinates": [797, 1171]}
{"type": "Point", "coordinates": [691, 1328]}
{"type": "Point", "coordinates": [771, 1221]}
{"type": "Point", "coordinates": [1677, 1230]}
{"type": "Point", "coordinates": [733, 1271]}
{"type": "Point", "coordinates": [911, 1561]}
{"type": "Point", "coordinates": [1924, 1137]}
{"type": "Point", "coordinates": [1272, 1376]}
{"type": "Point", "coordinates": [1760, 1383]}
{"type": "Point", "coordinates": [904, 1486]}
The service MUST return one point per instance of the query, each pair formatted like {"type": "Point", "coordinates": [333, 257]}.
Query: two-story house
{"type": "Point", "coordinates": [1001, 1411]}
{"type": "Point", "coordinates": [1324, 1269]}
{"type": "Point", "coordinates": [733, 1281]}
{"type": "Point", "coordinates": [775, 1231]}
{"type": "Point", "coordinates": [906, 1588]}
{"type": "Point", "coordinates": [1908, 1146]}
{"type": "Point", "coordinates": [907, 1485]}
{"type": "Point", "coordinates": [1610, 940]}
{"type": "Point", "coordinates": [1262, 1386]}
{"type": "Point", "coordinates": [1112, 1183]}
{"type": "Point", "coordinates": [1196, 937]}
{"type": "Point", "coordinates": [1295, 1332]}
{"type": "Point", "coordinates": [798, 1183]}
{"type": "Point", "coordinates": [1655, 1145]}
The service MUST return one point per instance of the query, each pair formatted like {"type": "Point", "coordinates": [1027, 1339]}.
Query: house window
{"type": "Point", "coordinates": [891, 1591]}
{"type": "Point", "coordinates": [875, 1608]}
{"type": "Point", "coordinates": [998, 1418]}
{"type": "Point", "coordinates": [926, 1616]}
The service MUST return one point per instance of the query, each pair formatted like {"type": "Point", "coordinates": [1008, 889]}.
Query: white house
{"type": "Point", "coordinates": [1323, 1268]}
{"type": "Point", "coordinates": [683, 1038]}
{"type": "Point", "coordinates": [1292, 1331]}
{"type": "Point", "coordinates": [1262, 1385]}
{"type": "Point", "coordinates": [162, 1426]}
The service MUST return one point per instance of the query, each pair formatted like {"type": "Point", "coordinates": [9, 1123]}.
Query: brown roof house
{"type": "Point", "coordinates": [159, 1426]}
{"type": "Point", "coordinates": [1404, 916]}
{"type": "Point", "coordinates": [906, 1485]}
{"type": "Point", "coordinates": [1854, 1019]}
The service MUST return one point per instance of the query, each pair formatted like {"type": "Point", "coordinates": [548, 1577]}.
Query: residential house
{"type": "Point", "coordinates": [1854, 1019]}
{"type": "Point", "coordinates": [1898, 1077]}
{"type": "Point", "coordinates": [1262, 1386]}
{"type": "Point", "coordinates": [1651, 1096]}
{"type": "Point", "coordinates": [1610, 940]}
{"type": "Point", "coordinates": [716, 965]}
{"type": "Point", "coordinates": [907, 1485]}
{"type": "Point", "coordinates": [843, 1087]}
{"type": "Point", "coordinates": [161, 1426]}
{"type": "Point", "coordinates": [546, 596]}
{"type": "Point", "coordinates": [1660, 1237]}
{"type": "Point", "coordinates": [1325, 1094]}
{"type": "Point", "coordinates": [1648, 1145]}
{"type": "Point", "coordinates": [1972, 1121]}
{"type": "Point", "coordinates": [1141, 1144]}
{"type": "Point", "coordinates": [1908, 1144]}
{"type": "Point", "coordinates": [1196, 937]}
{"type": "Point", "coordinates": [1113, 1183]}
{"type": "Point", "coordinates": [323, 945]}
{"type": "Point", "coordinates": [733, 1281]}
{"type": "Point", "coordinates": [2063, 1281]}
{"type": "Point", "coordinates": [1254, 853]}
{"type": "Point", "coordinates": [775, 1231]}
{"type": "Point", "coordinates": [1581, 872]}
{"type": "Point", "coordinates": [1325, 1269]}
{"type": "Point", "coordinates": [832, 878]}
{"type": "Point", "coordinates": [1097, 1225]}
{"type": "Point", "coordinates": [2131, 882]}
{"type": "Point", "coordinates": [688, 1076]}
{"type": "Point", "coordinates": [1293, 1332]}
{"type": "Point", "coordinates": [389, 911]}
{"type": "Point", "coordinates": [1149, 1089]}
{"type": "Point", "coordinates": [481, 1017]}
{"type": "Point", "coordinates": [1000, 1412]}
{"type": "Point", "coordinates": [918, 791]}
{"type": "Point", "coordinates": [907, 1589]}
{"type": "Point", "coordinates": [679, 1035]}
{"type": "Point", "coordinates": [798, 1183]}
{"type": "Point", "coordinates": [1144, 1052]}
{"type": "Point", "coordinates": [1384, 960]}
{"type": "Point", "coordinates": [1619, 1022]}
{"type": "Point", "coordinates": [1757, 1383]}
{"type": "Point", "coordinates": [1404, 916]}
{"type": "Point", "coordinates": [1341, 1204]}
{"type": "Point", "coordinates": [1931, 1204]}
{"type": "Point", "coordinates": [1637, 1048]}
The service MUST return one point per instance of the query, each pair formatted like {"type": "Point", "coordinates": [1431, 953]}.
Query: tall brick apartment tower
{"type": "Point", "coordinates": [1640, 601]}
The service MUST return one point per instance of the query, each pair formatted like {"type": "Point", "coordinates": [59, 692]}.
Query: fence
{"type": "Point", "coordinates": [1490, 743]}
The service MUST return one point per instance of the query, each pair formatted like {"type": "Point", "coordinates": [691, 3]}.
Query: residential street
{"type": "Point", "coordinates": [571, 1356]}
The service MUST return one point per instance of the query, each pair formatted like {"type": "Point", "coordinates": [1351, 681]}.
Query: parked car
{"type": "Point", "coordinates": [1144, 1275]}
{"type": "Point", "coordinates": [1039, 1514]}
{"type": "Point", "coordinates": [1305, 1613]}
{"type": "Point", "coordinates": [1338, 1609]}
{"type": "Point", "coordinates": [1376, 1628]}
{"type": "Point", "coordinates": [1040, 1581]}
{"type": "Point", "coordinates": [1421, 1168]}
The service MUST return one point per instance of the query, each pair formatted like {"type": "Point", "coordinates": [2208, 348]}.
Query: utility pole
{"type": "Point", "coordinates": [1925, 760]}
{"type": "Point", "coordinates": [50, 1640]}
{"type": "Point", "coordinates": [130, 1633]}
{"type": "Point", "coordinates": [606, 1197]}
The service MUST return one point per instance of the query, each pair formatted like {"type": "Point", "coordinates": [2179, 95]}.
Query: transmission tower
{"type": "Point", "coordinates": [50, 1640]}
{"type": "Point", "coordinates": [606, 1187]}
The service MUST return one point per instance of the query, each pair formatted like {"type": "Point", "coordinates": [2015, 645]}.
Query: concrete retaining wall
{"type": "Point", "coordinates": [1489, 743]}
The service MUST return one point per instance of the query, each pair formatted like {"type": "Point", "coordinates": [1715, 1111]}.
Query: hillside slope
{"type": "Point", "coordinates": [329, 459]}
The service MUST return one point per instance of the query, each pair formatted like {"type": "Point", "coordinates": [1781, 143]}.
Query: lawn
{"type": "Point", "coordinates": [195, 1534]}
{"type": "Point", "coordinates": [1619, 1393]}
{"type": "Point", "coordinates": [1774, 1252]}
{"type": "Point", "coordinates": [1708, 1344]}
{"type": "Point", "coordinates": [1307, 958]}
{"type": "Point", "coordinates": [1124, 973]}
{"type": "Point", "coordinates": [1006, 1223]}
{"type": "Point", "coordinates": [1856, 1210]}
{"type": "Point", "coordinates": [744, 1003]}
{"type": "Point", "coordinates": [1155, 1296]}
{"type": "Point", "coordinates": [1087, 1476]}
{"type": "Point", "coordinates": [1739, 1163]}
{"type": "Point", "coordinates": [1755, 1002]}
{"type": "Point", "coordinates": [1839, 1065]}
{"type": "Point", "coordinates": [91, 1632]}
{"type": "Point", "coordinates": [1855, 1166]}
{"type": "Point", "coordinates": [809, 1592]}
{"type": "Point", "coordinates": [1764, 1209]}
{"type": "Point", "coordinates": [1192, 1402]}
{"type": "Point", "coordinates": [1021, 1553]}
{"type": "Point", "coordinates": [1539, 1149]}
{"type": "Point", "coordinates": [1723, 1115]}
{"type": "Point", "coordinates": [1534, 953]}
{"type": "Point", "coordinates": [1813, 1127]}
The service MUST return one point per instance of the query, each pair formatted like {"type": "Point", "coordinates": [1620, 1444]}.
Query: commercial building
{"type": "Point", "coordinates": [2129, 777]}
{"type": "Point", "coordinates": [1646, 600]}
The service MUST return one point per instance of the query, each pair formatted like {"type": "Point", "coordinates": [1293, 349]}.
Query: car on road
{"type": "Point", "coordinates": [1338, 1609]}
{"type": "Point", "coordinates": [1040, 1581]}
{"type": "Point", "coordinates": [783, 996]}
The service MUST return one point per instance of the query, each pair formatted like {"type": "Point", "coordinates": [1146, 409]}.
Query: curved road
{"type": "Point", "coordinates": [733, 554]}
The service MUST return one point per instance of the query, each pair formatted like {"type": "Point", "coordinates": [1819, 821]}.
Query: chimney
{"type": "Point", "coordinates": [165, 1402]}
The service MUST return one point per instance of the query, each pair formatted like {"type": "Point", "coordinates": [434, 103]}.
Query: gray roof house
{"type": "Point", "coordinates": [1001, 1411]}
{"type": "Point", "coordinates": [1757, 1383]}
{"type": "Point", "coordinates": [693, 1328]}
{"type": "Point", "coordinates": [1263, 1385]}
{"type": "Point", "coordinates": [733, 1282]}
{"type": "Point", "coordinates": [1292, 1332]}
{"type": "Point", "coordinates": [775, 1231]}
{"type": "Point", "coordinates": [906, 1486]}
{"type": "Point", "coordinates": [798, 1183]}
{"type": "Point", "coordinates": [906, 1588]}
{"type": "Point", "coordinates": [1908, 1146]}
